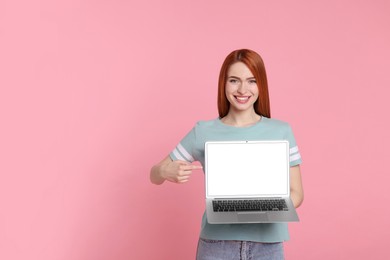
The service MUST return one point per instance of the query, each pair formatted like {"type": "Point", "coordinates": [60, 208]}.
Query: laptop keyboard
{"type": "Point", "coordinates": [250, 205]}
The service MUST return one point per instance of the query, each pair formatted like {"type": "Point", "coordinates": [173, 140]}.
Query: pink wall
{"type": "Point", "coordinates": [93, 93]}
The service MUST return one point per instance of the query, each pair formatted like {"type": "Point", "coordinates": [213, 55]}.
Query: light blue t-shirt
{"type": "Point", "coordinates": [191, 148]}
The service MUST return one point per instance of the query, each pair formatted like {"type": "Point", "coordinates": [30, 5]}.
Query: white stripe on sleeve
{"type": "Point", "coordinates": [294, 149]}
{"type": "Point", "coordinates": [184, 152]}
{"type": "Point", "coordinates": [295, 157]}
{"type": "Point", "coordinates": [178, 155]}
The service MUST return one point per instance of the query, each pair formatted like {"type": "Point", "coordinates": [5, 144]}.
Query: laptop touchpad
{"type": "Point", "coordinates": [252, 216]}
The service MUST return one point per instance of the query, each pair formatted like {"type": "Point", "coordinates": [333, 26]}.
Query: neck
{"type": "Point", "coordinates": [246, 118]}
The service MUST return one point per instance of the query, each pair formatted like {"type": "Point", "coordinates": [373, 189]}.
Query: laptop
{"type": "Point", "coordinates": [248, 182]}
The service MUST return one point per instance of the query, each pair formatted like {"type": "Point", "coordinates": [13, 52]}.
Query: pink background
{"type": "Point", "coordinates": [93, 93]}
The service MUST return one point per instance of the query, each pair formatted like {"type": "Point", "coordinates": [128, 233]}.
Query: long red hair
{"type": "Point", "coordinates": [256, 65]}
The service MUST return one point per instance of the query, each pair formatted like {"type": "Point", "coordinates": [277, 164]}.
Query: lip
{"type": "Point", "coordinates": [242, 99]}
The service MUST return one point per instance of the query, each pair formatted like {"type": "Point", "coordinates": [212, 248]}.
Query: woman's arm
{"type": "Point", "coordinates": [296, 188]}
{"type": "Point", "coordinates": [173, 171]}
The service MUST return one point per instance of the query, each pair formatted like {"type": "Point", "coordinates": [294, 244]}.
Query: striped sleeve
{"type": "Point", "coordinates": [183, 151]}
{"type": "Point", "coordinates": [295, 156]}
{"type": "Point", "coordinates": [180, 153]}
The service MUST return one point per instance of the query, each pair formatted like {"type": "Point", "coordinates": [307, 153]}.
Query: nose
{"type": "Point", "coordinates": [242, 88]}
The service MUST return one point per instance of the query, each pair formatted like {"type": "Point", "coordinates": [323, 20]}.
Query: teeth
{"type": "Point", "coordinates": [242, 98]}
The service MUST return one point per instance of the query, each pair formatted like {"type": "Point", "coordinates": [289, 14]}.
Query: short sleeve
{"type": "Point", "coordinates": [295, 156]}
{"type": "Point", "coordinates": [183, 151]}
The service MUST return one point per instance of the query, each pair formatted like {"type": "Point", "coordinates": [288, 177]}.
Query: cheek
{"type": "Point", "coordinates": [229, 89]}
{"type": "Point", "coordinates": [255, 90]}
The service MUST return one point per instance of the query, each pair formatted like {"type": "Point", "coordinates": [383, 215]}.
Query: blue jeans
{"type": "Point", "coordinates": [238, 250]}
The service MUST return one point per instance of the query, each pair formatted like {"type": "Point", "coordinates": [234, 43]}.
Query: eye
{"type": "Point", "coordinates": [233, 81]}
{"type": "Point", "coordinates": [252, 81]}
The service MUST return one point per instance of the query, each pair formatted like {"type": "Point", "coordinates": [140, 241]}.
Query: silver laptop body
{"type": "Point", "coordinates": [246, 182]}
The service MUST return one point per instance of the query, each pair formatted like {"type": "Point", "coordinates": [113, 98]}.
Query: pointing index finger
{"type": "Point", "coordinates": [193, 167]}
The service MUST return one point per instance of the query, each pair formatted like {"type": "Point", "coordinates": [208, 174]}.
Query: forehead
{"type": "Point", "coordinates": [239, 69]}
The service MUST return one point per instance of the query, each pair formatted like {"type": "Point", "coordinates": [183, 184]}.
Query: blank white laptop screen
{"type": "Point", "coordinates": [247, 169]}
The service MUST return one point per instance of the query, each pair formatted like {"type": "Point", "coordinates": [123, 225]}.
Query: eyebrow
{"type": "Point", "coordinates": [235, 77]}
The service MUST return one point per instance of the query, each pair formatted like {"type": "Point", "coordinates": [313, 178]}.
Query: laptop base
{"type": "Point", "coordinates": [242, 217]}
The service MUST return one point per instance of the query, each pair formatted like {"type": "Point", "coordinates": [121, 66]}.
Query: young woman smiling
{"type": "Point", "coordinates": [244, 113]}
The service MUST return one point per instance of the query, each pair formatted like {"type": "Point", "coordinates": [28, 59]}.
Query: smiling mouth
{"type": "Point", "coordinates": [241, 99]}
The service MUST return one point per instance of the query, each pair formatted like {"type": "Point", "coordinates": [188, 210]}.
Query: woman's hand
{"type": "Point", "coordinates": [173, 171]}
{"type": "Point", "coordinates": [178, 171]}
{"type": "Point", "coordinates": [296, 188]}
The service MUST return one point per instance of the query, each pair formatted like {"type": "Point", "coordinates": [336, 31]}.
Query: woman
{"type": "Point", "coordinates": [244, 114]}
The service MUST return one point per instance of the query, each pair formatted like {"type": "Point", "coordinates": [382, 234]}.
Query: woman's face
{"type": "Point", "coordinates": [241, 88]}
